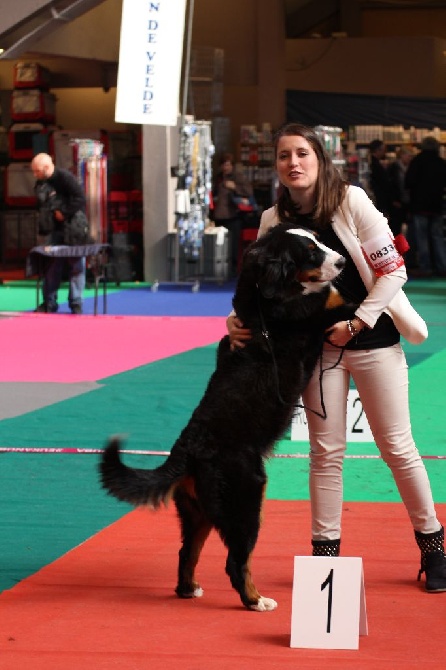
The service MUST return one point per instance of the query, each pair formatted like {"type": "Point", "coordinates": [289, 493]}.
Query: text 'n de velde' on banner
{"type": "Point", "coordinates": [150, 55]}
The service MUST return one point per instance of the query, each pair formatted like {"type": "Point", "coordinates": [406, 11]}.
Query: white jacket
{"type": "Point", "coordinates": [355, 222]}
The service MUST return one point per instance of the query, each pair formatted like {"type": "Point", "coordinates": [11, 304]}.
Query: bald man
{"type": "Point", "coordinates": [61, 203]}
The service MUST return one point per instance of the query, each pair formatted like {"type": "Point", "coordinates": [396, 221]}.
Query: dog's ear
{"type": "Point", "coordinates": [270, 278]}
{"type": "Point", "coordinates": [275, 274]}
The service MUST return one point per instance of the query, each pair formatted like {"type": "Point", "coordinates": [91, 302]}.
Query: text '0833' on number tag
{"type": "Point", "coordinates": [328, 608]}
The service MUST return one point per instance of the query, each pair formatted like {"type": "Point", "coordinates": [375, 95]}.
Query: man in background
{"type": "Point", "coordinates": [399, 194]}
{"type": "Point", "coordinates": [378, 178]}
{"type": "Point", "coordinates": [61, 202]}
{"type": "Point", "coordinates": [426, 181]}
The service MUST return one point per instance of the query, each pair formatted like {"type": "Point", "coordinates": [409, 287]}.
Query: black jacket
{"type": "Point", "coordinates": [379, 185]}
{"type": "Point", "coordinates": [69, 192]}
{"type": "Point", "coordinates": [60, 192]}
{"type": "Point", "coordinates": [426, 181]}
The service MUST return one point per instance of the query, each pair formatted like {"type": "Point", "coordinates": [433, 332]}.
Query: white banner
{"type": "Point", "coordinates": [150, 55]}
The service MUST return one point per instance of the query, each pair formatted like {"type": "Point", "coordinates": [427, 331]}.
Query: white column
{"type": "Point", "coordinates": [160, 152]}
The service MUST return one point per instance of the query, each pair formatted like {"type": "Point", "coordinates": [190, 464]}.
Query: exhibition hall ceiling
{"type": "Point", "coordinates": [29, 21]}
{"type": "Point", "coordinates": [63, 34]}
{"type": "Point", "coordinates": [325, 18]}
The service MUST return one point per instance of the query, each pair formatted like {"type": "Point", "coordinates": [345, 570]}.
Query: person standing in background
{"type": "Point", "coordinates": [61, 202]}
{"type": "Point", "coordinates": [229, 183]}
{"type": "Point", "coordinates": [426, 181]}
{"type": "Point", "coordinates": [399, 194]}
{"type": "Point", "coordinates": [378, 178]}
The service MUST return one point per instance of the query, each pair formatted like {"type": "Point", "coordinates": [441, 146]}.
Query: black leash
{"type": "Point", "coordinates": [321, 390]}
{"type": "Point", "coordinates": [265, 334]}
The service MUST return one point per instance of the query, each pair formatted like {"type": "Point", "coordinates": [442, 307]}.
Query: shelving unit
{"type": "Point", "coordinates": [331, 138]}
{"type": "Point", "coordinates": [210, 265]}
{"type": "Point", "coordinates": [32, 113]}
{"type": "Point", "coordinates": [358, 138]}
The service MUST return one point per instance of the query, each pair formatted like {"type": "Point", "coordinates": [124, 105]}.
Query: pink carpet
{"type": "Point", "coordinates": [90, 348]}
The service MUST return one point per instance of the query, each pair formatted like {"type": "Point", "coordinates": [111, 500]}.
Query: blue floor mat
{"type": "Point", "coordinates": [168, 300]}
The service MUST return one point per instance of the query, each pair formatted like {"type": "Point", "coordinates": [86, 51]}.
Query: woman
{"type": "Point", "coordinates": [313, 194]}
{"type": "Point", "coordinates": [228, 183]}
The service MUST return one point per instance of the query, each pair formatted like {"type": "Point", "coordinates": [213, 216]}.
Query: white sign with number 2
{"type": "Point", "coordinates": [358, 429]}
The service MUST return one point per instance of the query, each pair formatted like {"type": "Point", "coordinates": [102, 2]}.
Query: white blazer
{"type": "Point", "coordinates": [355, 222]}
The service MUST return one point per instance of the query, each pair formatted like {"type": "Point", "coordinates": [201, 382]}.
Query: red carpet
{"type": "Point", "coordinates": [63, 348]}
{"type": "Point", "coordinates": [110, 602]}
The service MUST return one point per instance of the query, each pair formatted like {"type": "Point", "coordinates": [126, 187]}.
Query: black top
{"type": "Point", "coordinates": [71, 197]}
{"type": "Point", "coordinates": [426, 181]}
{"type": "Point", "coordinates": [380, 185]}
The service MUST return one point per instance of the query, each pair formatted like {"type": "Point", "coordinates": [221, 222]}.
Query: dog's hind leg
{"type": "Point", "coordinates": [240, 538]}
{"type": "Point", "coordinates": [195, 528]}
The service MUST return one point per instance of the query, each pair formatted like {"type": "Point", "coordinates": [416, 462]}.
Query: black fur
{"type": "Point", "coordinates": [215, 472]}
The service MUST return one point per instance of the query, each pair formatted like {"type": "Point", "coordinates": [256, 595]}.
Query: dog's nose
{"type": "Point", "coordinates": [340, 263]}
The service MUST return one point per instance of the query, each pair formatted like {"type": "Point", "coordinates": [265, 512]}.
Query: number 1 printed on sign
{"type": "Point", "coordinates": [329, 582]}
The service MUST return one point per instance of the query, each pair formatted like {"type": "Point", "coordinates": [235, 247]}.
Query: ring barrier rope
{"type": "Point", "coordinates": [145, 452]}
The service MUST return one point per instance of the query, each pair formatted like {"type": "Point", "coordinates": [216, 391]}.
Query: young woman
{"type": "Point", "coordinates": [313, 194]}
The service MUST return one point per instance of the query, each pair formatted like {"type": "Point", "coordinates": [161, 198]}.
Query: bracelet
{"type": "Point", "coordinates": [351, 329]}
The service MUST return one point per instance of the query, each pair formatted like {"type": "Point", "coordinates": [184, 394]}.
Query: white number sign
{"type": "Point", "coordinates": [358, 429]}
{"type": "Point", "coordinates": [328, 607]}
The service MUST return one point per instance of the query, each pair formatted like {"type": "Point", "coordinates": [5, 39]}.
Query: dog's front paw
{"type": "Point", "coordinates": [264, 605]}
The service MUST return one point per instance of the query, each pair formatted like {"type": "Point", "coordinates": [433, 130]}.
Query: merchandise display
{"type": "Point", "coordinates": [32, 110]}
{"type": "Point", "coordinates": [192, 197]}
{"type": "Point", "coordinates": [331, 137]}
{"type": "Point", "coordinates": [91, 171]}
{"type": "Point", "coordinates": [358, 138]}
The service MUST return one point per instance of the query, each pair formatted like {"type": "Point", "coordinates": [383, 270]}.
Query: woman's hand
{"type": "Point", "coordinates": [238, 335]}
{"type": "Point", "coordinates": [342, 332]}
{"type": "Point", "coordinates": [338, 334]}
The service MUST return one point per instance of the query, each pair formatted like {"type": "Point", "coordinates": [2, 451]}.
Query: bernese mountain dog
{"type": "Point", "coordinates": [215, 472]}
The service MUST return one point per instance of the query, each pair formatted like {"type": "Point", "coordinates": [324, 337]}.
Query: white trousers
{"type": "Point", "coordinates": [381, 378]}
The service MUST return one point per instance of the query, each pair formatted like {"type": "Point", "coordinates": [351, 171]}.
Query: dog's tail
{"type": "Point", "coordinates": [137, 486]}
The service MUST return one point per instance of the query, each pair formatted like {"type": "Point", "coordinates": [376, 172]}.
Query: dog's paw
{"type": "Point", "coordinates": [197, 592]}
{"type": "Point", "coordinates": [264, 605]}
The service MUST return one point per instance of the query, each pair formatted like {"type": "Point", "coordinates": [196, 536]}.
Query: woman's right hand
{"type": "Point", "coordinates": [238, 335]}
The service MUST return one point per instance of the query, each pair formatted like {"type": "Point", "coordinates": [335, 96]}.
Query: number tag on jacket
{"type": "Point", "coordinates": [382, 255]}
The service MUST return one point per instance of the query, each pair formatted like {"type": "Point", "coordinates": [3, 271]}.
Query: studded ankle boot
{"type": "Point", "coordinates": [326, 547]}
{"type": "Point", "coordinates": [433, 560]}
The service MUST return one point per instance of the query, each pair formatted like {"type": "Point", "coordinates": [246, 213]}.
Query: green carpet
{"type": "Point", "coordinates": [51, 503]}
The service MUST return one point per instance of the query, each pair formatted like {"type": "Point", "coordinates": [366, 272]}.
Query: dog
{"type": "Point", "coordinates": [215, 472]}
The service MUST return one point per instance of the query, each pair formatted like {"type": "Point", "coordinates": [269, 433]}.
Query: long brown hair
{"type": "Point", "coordinates": [330, 186]}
